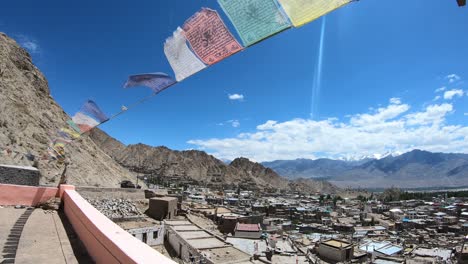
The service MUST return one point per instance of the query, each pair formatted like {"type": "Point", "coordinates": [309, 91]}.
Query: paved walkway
{"type": "Point", "coordinates": [37, 236]}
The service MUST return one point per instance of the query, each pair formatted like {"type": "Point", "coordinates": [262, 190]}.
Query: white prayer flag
{"type": "Point", "coordinates": [183, 61]}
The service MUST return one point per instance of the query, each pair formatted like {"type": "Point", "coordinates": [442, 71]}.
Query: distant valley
{"type": "Point", "coordinates": [415, 169]}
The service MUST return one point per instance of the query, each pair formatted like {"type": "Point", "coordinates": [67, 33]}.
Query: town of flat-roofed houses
{"type": "Point", "coordinates": [212, 222]}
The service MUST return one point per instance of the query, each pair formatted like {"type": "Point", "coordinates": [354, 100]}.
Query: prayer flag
{"type": "Point", "coordinates": [84, 122]}
{"type": "Point", "coordinates": [183, 61]}
{"type": "Point", "coordinates": [74, 126]}
{"type": "Point", "coordinates": [209, 37]}
{"type": "Point", "coordinates": [71, 133]}
{"type": "Point", "coordinates": [92, 109]}
{"type": "Point", "coordinates": [255, 20]}
{"type": "Point", "coordinates": [155, 81]}
{"type": "Point", "coordinates": [304, 11]}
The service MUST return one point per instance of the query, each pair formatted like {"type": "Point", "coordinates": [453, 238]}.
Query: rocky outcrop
{"type": "Point", "coordinates": [200, 166]}
{"type": "Point", "coordinates": [28, 116]}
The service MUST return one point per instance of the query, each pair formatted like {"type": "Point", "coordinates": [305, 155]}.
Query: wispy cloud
{"type": "Point", "coordinates": [452, 78]}
{"type": "Point", "coordinates": [29, 44]}
{"type": "Point", "coordinates": [395, 100]}
{"type": "Point", "coordinates": [449, 95]}
{"type": "Point", "coordinates": [392, 128]}
{"type": "Point", "coordinates": [233, 123]}
{"type": "Point", "coordinates": [441, 89]}
{"type": "Point", "coordinates": [236, 97]}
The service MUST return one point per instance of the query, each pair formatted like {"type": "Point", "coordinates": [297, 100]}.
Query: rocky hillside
{"type": "Point", "coordinates": [198, 165]}
{"type": "Point", "coordinates": [28, 116]}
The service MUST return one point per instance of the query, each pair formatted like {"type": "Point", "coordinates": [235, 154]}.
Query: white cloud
{"type": "Point", "coordinates": [233, 123]}
{"type": "Point", "coordinates": [238, 97]}
{"type": "Point", "coordinates": [441, 89]}
{"type": "Point", "coordinates": [395, 100]}
{"type": "Point", "coordinates": [29, 44]}
{"type": "Point", "coordinates": [387, 129]}
{"type": "Point", "coordinates": [452, 78]}
{"type": "Point", "coordinates": [434, 114]}
{"type": "Point", "coordinates": [448, 95]}
{"type": "Point", "coordinates": [436, 98]}
{"type": "Point", "coordinates": [466, 114]}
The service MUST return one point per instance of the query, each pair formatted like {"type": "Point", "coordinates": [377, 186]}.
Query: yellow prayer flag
{"type": "Point", "coordinates": [71, 133]}
{"type": "Point", "coordinates": [304, 11]}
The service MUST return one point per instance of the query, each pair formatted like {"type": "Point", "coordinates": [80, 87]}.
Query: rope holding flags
{"type": "Point", "coordinates": [202, 41]}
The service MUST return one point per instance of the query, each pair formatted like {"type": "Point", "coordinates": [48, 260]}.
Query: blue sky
{"type": "Point", "coordinates": [382, 64]}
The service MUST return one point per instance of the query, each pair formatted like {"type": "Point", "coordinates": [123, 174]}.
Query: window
{"type": "Point", "coordinates": [145, 237]}
{"type": "Point", "coordinates": [155, 234]}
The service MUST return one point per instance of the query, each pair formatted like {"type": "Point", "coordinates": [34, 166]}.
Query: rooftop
{"type": "Point", "coordinates": [29, 235]}
{"type": "Point", "coordinates": [336, 243]}
{"type": "Point", "coordinates": [146, 222]}
{"type": "Point", "coordinates": [248, 227]}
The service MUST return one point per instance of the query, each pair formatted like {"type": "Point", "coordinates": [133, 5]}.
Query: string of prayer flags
{"type": "Point", "coordinates": [209, 37]}
{"type": "Point", "coordinates": [183, 61]}
{"type": "Point", "coordinates": [155, 81]}
{"type": "Point", "coordinates": [255, 20]}
{"type": "Point", "coordinates": [301, 12]}
{"type": "Point", "coordinates": [92, 109]}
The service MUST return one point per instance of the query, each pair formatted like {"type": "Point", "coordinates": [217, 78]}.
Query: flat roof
{"type": "Point", "coordinates": [19, 167]}
{"type": "Point", "coordinates": [177, 222]}
{"type": "Point", "coordinates": [194, 234]}
{"type": "Point", "coordinates": [186, 228]}
{"type": "Point", "coordinates": [390, 250]}
{"type": "Point", "coordinates": [289, 259]}
{"type": "Point", "coordinates": [226, 255]}
{"type": "Point", "coordinates": [433, 252]}
{"type": "Point", "coordinates": [336, 243]}
{"type": "Point", "coordinates": [37, 236]}
{"type": "Point", "coordinates": [138, 224]}
{"type": "Point", "coordinates": [206, 243]}
{"type": "Point", "coordinates": [248, 245]}
{"type": "Point", "coordinates": [165, 198]}
{"type": "Point", "coordinates": [248, 227]}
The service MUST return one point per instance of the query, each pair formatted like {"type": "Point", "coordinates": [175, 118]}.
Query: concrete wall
{"type": "Point", "coordinates": [161, 208]}
{"type": "Point", "coordinates": [245, 234]}
{"type": "Point", "coordinates": [18, 175]}
{"type": "Point", "coordinates": [25, 195]}
{"type": "Point", "coordinates": [105, 241]}
{"type": "Point", "coordinates": [149, 231]}
{"type": "Point", "coordinates": [180, 246]}
{"type": "Point", "coordinates": [332, 253]}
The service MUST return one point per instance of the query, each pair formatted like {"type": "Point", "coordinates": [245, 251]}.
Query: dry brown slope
{"type": "Point", "coordinates": [28, 114]}
{"type": "Point", "coordinates": [200, 166]}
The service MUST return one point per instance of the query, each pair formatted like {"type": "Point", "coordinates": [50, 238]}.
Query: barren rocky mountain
{"type": "Point", "coordinates": [199, 166]}
{"type": "Point", "coordinates": [415, 169]}
{"type": "Point", "coordinates": [28, 116]}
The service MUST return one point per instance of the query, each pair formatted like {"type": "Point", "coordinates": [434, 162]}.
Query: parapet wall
{"type": "Point", "coordinates": [19, 175]}
{"type": "Point", "coordinates": [105, 241]}
{"type": "Point", "coordinates": [25, 195]}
